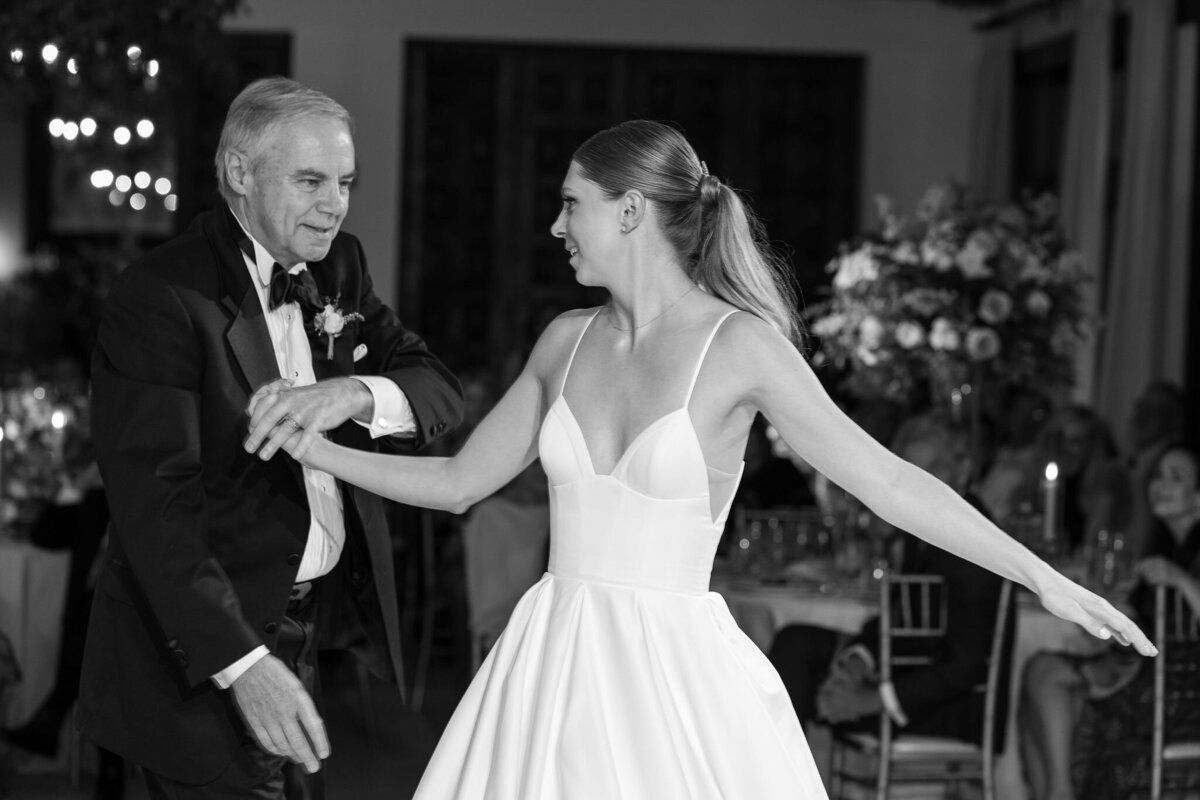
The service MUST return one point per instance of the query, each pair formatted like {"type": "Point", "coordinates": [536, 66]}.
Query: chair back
{"type": "Point", "coordinates": [916, 608]}
{"type": "Point", "coordinates": [1175, 624]}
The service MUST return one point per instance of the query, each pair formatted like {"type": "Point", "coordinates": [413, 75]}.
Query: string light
{"type": "Point", "coordinates": [162, 186]}
{"type": "Point", "coordinates": [102, 178]}
{"type": "Point", "coordinates": [152, 67]}
{"type": "Point", "coordinates": [72, 66]}
{"type": "Point", "coordinates": [50, 54]}
{"type": "Point", "coordinates": [56, 127]}
{"type": "Point", "coordinates": [124, 184]}
{"type": "Point", "coordinates": [145, 128]}
{"type": "Point", "coordinates": [122, 135]}
{"type": "Point", "coordinates": [87, 126]}
{"type": "Point", "coordinates": [137, 201]}
{"type": "Point", "coordinates": [171, 202]}
{"type": "Point", "coordinates": [142, 179]}
{"type": "Point", "coordinates": [70, 131]}
{"type": "Point", "coordinates": [133, 53]}
{"type": "Point", "coordinates": [16, 55]}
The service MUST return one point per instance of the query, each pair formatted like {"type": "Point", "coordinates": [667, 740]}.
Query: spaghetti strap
{"type": "Point", "coordinates": [567, 371]}
{"type": "Point", "coordinates": [700, 363]}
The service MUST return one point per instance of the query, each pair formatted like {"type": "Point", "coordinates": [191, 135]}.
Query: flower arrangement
{"type": "Point", "coordinates": [44, 441]}
{"type": "Point", "coordinates": [961, 292]}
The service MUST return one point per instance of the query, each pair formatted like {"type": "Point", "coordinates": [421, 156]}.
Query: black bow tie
{"type": "Point", "coordinates": [293, 288]}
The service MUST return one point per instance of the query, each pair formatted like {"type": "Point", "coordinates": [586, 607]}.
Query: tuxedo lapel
{"type": "Point", "coordinates": [247, 334]}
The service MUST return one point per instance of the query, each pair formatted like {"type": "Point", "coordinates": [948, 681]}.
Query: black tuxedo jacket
{"type": "Point", "coordinates": [205, 538]}
{"type": "Point", "coordinates": [943, 698]}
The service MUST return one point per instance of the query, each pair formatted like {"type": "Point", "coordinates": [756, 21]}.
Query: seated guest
{"type": "Point", "coordinates": [1096, 488]}
{"type": "Point", "coordinates": [835, 679]}
{"type": "Point", "coordinates": [1003, 487]}
{"type": "Point", "coordinates": [1088, 722]}
{"type": "Point", "coordinates": [1157, 421]}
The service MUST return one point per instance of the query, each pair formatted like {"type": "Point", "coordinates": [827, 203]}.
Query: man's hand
{"type": "Point", "coordinates": [841, 701]}
{"type": "Point", "coordinates": [280, 713]}
{"type": "Point", "coordinates": [850, 667]}
{"type": "Point", "coordinates": [278, 410]}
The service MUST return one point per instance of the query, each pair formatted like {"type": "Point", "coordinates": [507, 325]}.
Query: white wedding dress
{"type": "Point", "coordinates": [619, 674]}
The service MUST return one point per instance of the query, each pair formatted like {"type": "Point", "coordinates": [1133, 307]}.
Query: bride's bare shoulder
{"type": "Point", "coordinates": [558, 339]}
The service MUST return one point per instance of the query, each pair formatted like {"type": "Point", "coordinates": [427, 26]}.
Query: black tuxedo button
{"type": "Point", "coordinates": [441, 426]}
{"type": "Point", "coordinates": [180, 657]}
{"type": "Point", "coordinates": [271, 627]}
{"type": "Point", "coordinates": [293, 559]}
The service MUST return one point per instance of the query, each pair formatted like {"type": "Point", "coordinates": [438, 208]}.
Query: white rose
{"type": "Point", "coordinates": [972, 260]}
{"type": "Point", "coordinates": [943, 335]}
{"type": "Point", "coordinates": [857, 267]}
{"type": "Point", "coordinates": [1038, 303]}
{"type": "Point", "coordinates": [870, 332]}
{"type": "Point", "coordinates": [909, 335]}
{"type": "Point", "coordinates": [830, 325]}
{"type": "Point", "coordinates": [332, 322]}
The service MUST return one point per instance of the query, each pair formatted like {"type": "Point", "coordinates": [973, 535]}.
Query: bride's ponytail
{"type": "Point", "coordinates": [718, 239]}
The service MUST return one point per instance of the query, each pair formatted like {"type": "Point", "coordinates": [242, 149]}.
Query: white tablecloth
{"type": "Point", "coordinates": [33, 586]}
{"type": "Point", "coordinates": [761, 611]}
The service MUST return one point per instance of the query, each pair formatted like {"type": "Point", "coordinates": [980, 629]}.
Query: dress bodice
{"type": "Point", "coordinates": [647, 523]}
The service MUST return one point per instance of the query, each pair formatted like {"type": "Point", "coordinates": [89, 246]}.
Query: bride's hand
{"type": "Point", "coordinates": [300, 447]}
{"type": "Point", "coordinates": [1067, 599]}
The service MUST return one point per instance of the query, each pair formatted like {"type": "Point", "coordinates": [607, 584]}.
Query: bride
{"type": "Point", "coordinates": [620, 674]}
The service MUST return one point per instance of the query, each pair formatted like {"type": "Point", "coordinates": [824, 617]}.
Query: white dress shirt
{"type": "Point", "coordinates": [392, 415]}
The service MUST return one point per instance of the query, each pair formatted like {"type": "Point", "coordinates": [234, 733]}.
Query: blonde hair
{"type": "Point", "coordinates": [718, 239]}
{"type": "Point", "coordinates": [262, 105]}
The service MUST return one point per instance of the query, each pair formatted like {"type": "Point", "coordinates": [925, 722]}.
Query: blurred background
{"type": "Point", "coordinates": [1043, 150]}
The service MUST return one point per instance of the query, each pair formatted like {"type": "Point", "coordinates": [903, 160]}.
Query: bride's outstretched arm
{"type": "Point", "coordinates": [503, 444]}
{"type": "Point", "coordinates": [780, 383]}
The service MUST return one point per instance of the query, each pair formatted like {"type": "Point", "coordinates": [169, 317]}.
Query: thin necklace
{"type": "Point", "coordinates": [656, 316]}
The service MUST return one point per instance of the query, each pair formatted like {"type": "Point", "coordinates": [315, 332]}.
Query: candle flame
{"type": "Point", "coordinates": [1052, 471]}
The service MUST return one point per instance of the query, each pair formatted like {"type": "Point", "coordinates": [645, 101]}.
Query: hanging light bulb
{"type": "Point", "coordinates": [102, 178]}
{"type": "Point", "coordinates": [87, 126]}
{"type": "Point", "coordinates": [162, 186]}
{"type": "Point", "coordinates": [71, 131]}
{"type": "Point", "coordinates": [123, 183]}
{"type": "Point", "coordinates": [72, 66]}
{"type": "Point", "coordinates": [142, 179]}
{"type": "Point", "coordinates": [137, 201]}
{"type": "Point", "coordinates": [133, 53]}
{"type": "Point", "coordinates": [16, 55]}
{"type": "Point", "coordinates": [122, 135]}
{"type": "Point", "coordinates": [50, 53]}
{"type": "Point", "coordinates": [152, 67]}
{"type": "Point", "coordinates": [171, 202]}
{"type": "Point", "coordinates": [145, 128]}
{"type": "Point", "coordinates": [56, 127]}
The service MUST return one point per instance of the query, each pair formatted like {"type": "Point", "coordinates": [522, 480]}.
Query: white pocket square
{"type": "Point", "coordinates": [360, 352]}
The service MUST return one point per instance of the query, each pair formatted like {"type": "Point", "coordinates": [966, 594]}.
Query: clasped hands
{"type": "Point", "coordinates": [850, 692]}
{"type": "Point", "coordinates": [284, 416]}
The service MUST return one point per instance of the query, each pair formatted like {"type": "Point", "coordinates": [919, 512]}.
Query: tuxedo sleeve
{"type": "Point", "coordinates": [147, 375]}
{"type": "Point", "coordinates": [400, 355]}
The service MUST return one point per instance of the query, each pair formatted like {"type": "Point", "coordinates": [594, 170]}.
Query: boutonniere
{"type": "Point", "coordinates": [331, 321]}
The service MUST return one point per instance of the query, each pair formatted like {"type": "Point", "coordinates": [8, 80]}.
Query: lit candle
{"type": "Point", "coordinates": [58, 421]}
{"type": "Point", "coordinates": [1050, 503]}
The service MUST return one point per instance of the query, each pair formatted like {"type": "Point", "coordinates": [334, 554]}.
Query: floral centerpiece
{"type": "Point", "coordinates": [44, 441]}
{"type": "Point", "coordinates": [961, 292]}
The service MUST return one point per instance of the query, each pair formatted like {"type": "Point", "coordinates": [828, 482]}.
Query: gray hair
{"type": "Point", "coordinates": [259, 108]}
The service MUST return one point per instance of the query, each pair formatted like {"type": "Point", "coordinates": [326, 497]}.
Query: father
{"type": "Point", "coordinates": [225, 574]}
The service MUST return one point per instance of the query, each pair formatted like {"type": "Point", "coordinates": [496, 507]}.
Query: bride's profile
{"type": "Point", "coordinates": [620, 674]}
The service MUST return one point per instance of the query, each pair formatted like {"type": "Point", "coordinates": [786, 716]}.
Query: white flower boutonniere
{"type": "Point", "coordinates": [331, 321]}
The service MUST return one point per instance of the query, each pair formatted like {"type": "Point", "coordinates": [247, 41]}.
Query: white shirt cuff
{"type": "Point", "coordinates": [225, 678]}
{"type": "Point", "coordinates": [862, 652]}
{"type": "Point", "coordinates": [393, 415]}
{"type": "Point", "coordinates": [891, 703]}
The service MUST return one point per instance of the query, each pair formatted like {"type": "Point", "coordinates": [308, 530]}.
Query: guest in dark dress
{"type": "Point", "coordinates": [1088, 720]}
{"type": "Point", "coordinates": [834, 678]}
